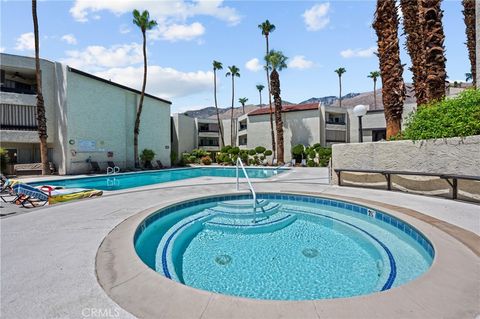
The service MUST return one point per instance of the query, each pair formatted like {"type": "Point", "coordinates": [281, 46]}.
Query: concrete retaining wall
{"type": "Point", "coordinates": [442, 156]}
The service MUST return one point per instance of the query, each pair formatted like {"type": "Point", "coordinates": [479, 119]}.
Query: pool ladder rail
{"type": "Point", "coordinates": [239, 164]}
{"type": "Point", "coordinates": [113, 170]}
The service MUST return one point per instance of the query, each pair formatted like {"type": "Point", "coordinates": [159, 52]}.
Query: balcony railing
{"type": "Point", "coordinates": [242, 127]}
{"type": "Point", "coordinates": [18, 117]}
{"type": "Point", "coordinates": [17, 90]}
{"type": "Point", "coordinates": [208, 131]}
{"type": "Point", "coordinates": [335, 123]}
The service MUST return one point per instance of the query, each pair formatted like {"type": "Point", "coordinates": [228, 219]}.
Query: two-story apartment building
{"type": "Point", "coordinates": [88, 118]}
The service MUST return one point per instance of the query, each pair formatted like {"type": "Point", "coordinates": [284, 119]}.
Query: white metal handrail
{"type": "Point", "coordinates": [250, 186]}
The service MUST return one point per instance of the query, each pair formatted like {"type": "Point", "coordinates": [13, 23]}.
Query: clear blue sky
{"type": "Point", "coordinates": [318, 37]}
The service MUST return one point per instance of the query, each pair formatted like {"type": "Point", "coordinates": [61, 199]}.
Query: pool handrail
{"type": "Point", "coordinates": [250, 186]}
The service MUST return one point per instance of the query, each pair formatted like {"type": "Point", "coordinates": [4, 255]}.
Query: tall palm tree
{"type": "Point", "coordinates": [267, 28]}
{"type": "Point", "coordinates": [413, 27]}
{"type": "Point", "coordinates": [468, 77]}
{"type": "Point", "coordinates": [469, 18]}
{"type": "Point", "coordinates": [374, 75]}
{"type": "Point", "coordinates": [278, 62]}
{"type": "Point", "coordinates": [217, 66]}
{"type": "Point", "coordinates": [242, 101]}
{"type": "Point", "coordinates": [233, 72]}
{"type": "Point", "coordinates": [391, 69]}
{"type": "Point", "coordinates": [434, 49]}
{"type": "Point", "coordinates": [142, 20]}
{"type": "Point", "coordinates": [340, 71]}
{"type": "Point", "coordinates": [41, 118]}
{"type": "Point", "coordinates": [260, 88]}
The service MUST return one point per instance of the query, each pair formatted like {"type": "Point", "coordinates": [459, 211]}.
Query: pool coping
{"type": "Point", "coordinates": [440, 292]}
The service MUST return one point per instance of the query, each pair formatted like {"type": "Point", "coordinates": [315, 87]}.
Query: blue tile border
{"type": "Point", "coordinates": [380, 216]}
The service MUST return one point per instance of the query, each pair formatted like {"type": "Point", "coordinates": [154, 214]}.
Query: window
{"type": "Point", "coordinates": [335, 118]}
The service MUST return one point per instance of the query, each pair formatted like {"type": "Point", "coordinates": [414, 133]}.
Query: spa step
{"type": "Point", "coordinates": [271, 223]}
{"type": "Point", "coordinates": [247, 212]}
{"type": "Point", "coordinates": [243, 203]}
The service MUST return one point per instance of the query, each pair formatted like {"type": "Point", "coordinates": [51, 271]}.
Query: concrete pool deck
{"type": "Point", "coordinates": [48, 255]}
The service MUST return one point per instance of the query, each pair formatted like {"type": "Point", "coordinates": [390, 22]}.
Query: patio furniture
{"type": "Point", "coordinates": [95, 167]}
{"type": "Point", "coordinates": [159, 163]}
{"type": "Point", "coordinates": [27, 194]}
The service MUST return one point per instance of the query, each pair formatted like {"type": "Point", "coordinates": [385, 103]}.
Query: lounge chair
{"type": "Point", "coordinates": [29, 196]}
{"type": "Point", "coordinates": [7, 189]}
{"type": "Point", "coordinates": [95, 167]}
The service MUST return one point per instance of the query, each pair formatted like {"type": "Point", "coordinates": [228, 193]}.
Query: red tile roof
{"type": "Point", "coordinates": [285, 108]}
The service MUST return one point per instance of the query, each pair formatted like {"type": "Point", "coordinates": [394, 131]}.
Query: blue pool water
{"type": "Point", "coordinates": [298, 247]}
{"type": "Point", "coordinates": [129, 180]}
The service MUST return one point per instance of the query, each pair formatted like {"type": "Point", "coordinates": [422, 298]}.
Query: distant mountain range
{"type": "Point", "coordinates": [348, 101]}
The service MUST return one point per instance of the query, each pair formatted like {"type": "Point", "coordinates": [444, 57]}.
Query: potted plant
{"type": "Point", "coordinates": [146, 157]}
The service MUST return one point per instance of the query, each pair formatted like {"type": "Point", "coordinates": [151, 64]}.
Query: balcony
{"type": "Point", "coordinates": [18, 117]}
{"type": "Point", "coordinates": [19, 90]}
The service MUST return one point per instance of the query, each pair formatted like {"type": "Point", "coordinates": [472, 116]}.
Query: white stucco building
{"type": "Point", "coordinates": [88, 118]}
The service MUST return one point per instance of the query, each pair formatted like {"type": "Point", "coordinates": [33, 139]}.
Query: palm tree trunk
{"type": "Point", "coordinates": [41, 118]}
{"type": "Point", "coordinates": [216, 107]}
{"type": "Point", "coordinates": [275, 82]}
{"type": "Point", "coordinates": [469, 18]}
{"type": "Point", "coordinates": [340, 86]}
{"type": "Point", "coordinates": [231, 114]}
{"type": "Point", "coordinates": [374, 93]}
{"type": "Point", "coordinates": [136, 130]}
{"type": "Point", "coordinates": [270, 104]}
{"type": "Point", "coordinates": [260, 93]}
{"type": "Point", "coordinates": [415, 46]}
{"type": "Point", "coordinates": [434, 49]}
{"type": "Point", "coordinates": [391, 69]}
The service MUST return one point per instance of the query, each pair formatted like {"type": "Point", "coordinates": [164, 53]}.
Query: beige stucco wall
{"type": "Point", "coordinates": [105, 114]}
{"type": "Point", "coordinates": [184, 134]}
{"type": "Point", "coordinates": [449, 156]}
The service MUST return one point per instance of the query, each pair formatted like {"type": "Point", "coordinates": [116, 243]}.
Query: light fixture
{"type": "Point", "coordinates": [359, 111]}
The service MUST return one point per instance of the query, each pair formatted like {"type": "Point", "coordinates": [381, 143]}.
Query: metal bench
{"type": "Point", "coordinates": [452, 179]}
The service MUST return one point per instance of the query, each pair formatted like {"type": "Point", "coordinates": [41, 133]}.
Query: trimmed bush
{"type": "Point", "coordinates": [225, 149]}
{"type": "Point", "coordinates": [311, 163]}
{"type": "Point", "coordinates": [206, 160]}
{"type": "Point", "coordinates": [252, 152]}
{"type": "Point", "coordinates": [452, 117]}
{"type": "Point", "coordinates": [268, 153]}
{"type": "Point", "coordinates": [260, 149]}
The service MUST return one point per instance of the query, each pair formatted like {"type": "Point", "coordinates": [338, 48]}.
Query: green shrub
{"type": "Point", "coordinates": [234, 150]}
{"type": "Point", "coordinates": [459, 116]}
{"type": "Point", "coordinates": [311, 163]}
{"type": "Point", "coordinates": [199, 153]}
{"type": "Point", "coordinates": [244, 157]}
{"type": "Point", "coordinates": [147, 155]}
{"type": "Point", "coordinates": [312, 154]}
{"type": "Point", "coordinates": [173, 157]}
{"type": "Point", "coordinates": [268, 153]}
{"type": "Point", "coordinates": [316, 145]}
{"type": "Point", "coordinates": [260, 149]}
{"type": "Point", "coordinates": [252, 152]}
{"type": "Point", "coordinates": [225, 149]}
{"type": "Point", "coordinates": [192, 159]}
{"type": "Point", "coordinates": [298, 152]}
{"type": "Point", "coordinates": [206, 160]}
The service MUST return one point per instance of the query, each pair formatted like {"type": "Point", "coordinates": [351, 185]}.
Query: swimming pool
{"type": "Point", "coordinates": [294, 247]}
{"type": "Point", "coordinates": [129, 180]}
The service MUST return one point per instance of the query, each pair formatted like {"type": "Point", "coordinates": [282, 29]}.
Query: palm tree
{"type": "Point", "coordinates": [374, 75]}
{"type": "Point", "coordinates": [415, 46]}
{"type": "Point", "coordinates": [278, 62]}
{"type": "Point", "coordinates": [260, 88]}
{"type": "Point", "coordinates": [233, 72]}
{"type": "Point", "coordinates": [41, 118]}
{"type": "Point", "coordinates": [268, 28]}
{"type": "Point", "coordinates": [340, 71]}
{"type": "Point", "coordinates": [468, 77]}
{"type": "Point", "coordinates": [469, 18]}
{"type": "Point", "coordinates": [434, 50]}
{"type": "Point", "coordinates": [242, 101]}
{"type": "Point", "coordinates": [217, 66]}
{"type": "Point", "coordinates": [391, 69]}
{"type": "Point", "coordinates": [144, 23]}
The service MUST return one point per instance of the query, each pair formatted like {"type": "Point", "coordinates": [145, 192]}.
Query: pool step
{"type": "Point", "coordinates": [242, 211]}
{"type": "Point", "coordinates": [264, 224]}
{"type": "Point", "coordinates": [243, 203]}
